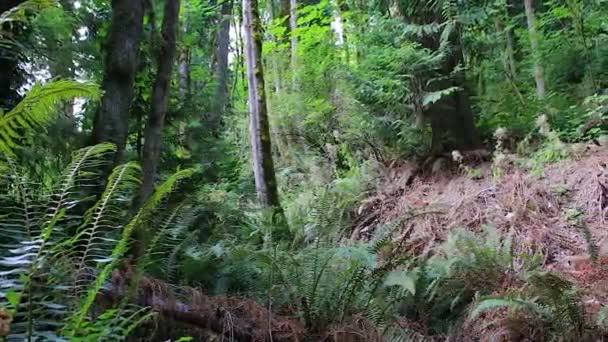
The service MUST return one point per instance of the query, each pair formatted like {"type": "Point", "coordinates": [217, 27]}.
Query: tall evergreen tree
{"type": "Point", "coordinates": [111, 122]}
{"type": "Point", "coordinates": [9, 65]}
{"type": "Point", "coordinates": [222, 75]}
{"type": "Point", "coordinates": [263, 165]}
{"type": "Point", "coordinates": [451, 118]}
{"type": "Point", "coordinates": [160, 97]}
{"type": "Point", "coordinates": [539, 74]}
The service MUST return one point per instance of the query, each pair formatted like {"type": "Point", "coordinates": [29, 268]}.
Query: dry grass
{"type": "Point", "coordinates": [532, 209]}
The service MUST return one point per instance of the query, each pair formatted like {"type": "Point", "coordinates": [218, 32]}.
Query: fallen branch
{"type": "Point", "coordinates": [237, 319]}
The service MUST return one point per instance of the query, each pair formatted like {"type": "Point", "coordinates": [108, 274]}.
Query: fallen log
{"type": "Point", "coordinates": [237, 319]}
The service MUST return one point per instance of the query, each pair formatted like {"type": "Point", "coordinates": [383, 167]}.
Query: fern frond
{"type": "Point", "coordinates": [19, 12]}
{"type": "Point", "coordinates": [402, 334]}
{"type": "Point", "coordinates": [510, 303]}
{"type": "Point", "coordinates": [96, 237]}
{"type": "Point", "coordinates": [169, 240]}
{"type": "Point", "coordinates": [433, 97]}
{"type": "Point", "coordinates": [26, 268]}
{"type": "Point", "coordinates": [120, 249]}
{"type": "Point", "coordinates": [38, 108]}
{"type": "Point", "coordinates": [23, 205]}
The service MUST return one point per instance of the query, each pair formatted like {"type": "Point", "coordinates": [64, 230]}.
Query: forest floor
{"type": "Point", "coordinates": [563, 212]}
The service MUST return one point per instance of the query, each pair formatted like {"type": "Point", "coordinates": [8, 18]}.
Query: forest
{"type": "Point", "coordinates": [303, 170]}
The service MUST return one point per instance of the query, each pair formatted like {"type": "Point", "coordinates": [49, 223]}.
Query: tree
{"type": "Point", "coordinates": [111, 122]}
{"type": "Point", "coordinates": [221, 65]}
{"type": "Point", "coordinates": [293, 26]}
{"type": "Point", "coordinates": [160, 97]}
{"type": "Point", "coordinates": [451, 117]}
{"type": "Point", "coordinates": [539, 77]}
{"type": "Point", "coordinates": [263, 165]}
{"type": "Point", "coordinates": [9, 73]}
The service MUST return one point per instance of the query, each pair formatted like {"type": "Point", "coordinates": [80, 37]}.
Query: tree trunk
{"type": "Point", "coordinates": [510, 51]}
{"type": "Point", "coordinates": [10, 77]}
{"type": "Point", "coordinates": [274, 60]}
{"type": "Point", "coordinates": [184, 75]}
{"type": "Point", "coordinates": [452, 119]}
{"type": "Point", "coordinates": [111, 123]}
{"type": "Point", "coordinates": [293, 26]}
{"type": "Point", "coordinates": [160, 97]}
{"type": "Point", "coordinates": [284, 12]}
{"type": "Point", "coordinates": [263, 166]}
{"type": "Point", "coordinates": [221, 100]}
{"type": "Point", "coordinates": [508, 59]}
{"type": "Point", "coordinates": [535, 49]}
{"type": "Point", "coordinates": [184, 62]}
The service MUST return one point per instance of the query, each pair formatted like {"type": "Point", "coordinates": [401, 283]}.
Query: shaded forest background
{"type": "Point", "coordinates": [294, 170]}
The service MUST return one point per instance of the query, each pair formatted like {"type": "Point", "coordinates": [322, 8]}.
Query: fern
{"type": "Point", "coordinates": [396, 333]}
{"type": "Point", "coordinates": [102, 223]}
{"type": "Point", "coordinates": [26, 267]}
{"type": "Point", "coordinates": [548, 297]}
{"type": "Point", "coordinates": [430, 98]}
{"type": "Point", "coordinates": [327, 283]}
{"type": "Point", "coordinates": [19, 13]}
{"type": "Point", "coordinates": [491, 304]}
{"type": "Point", "coordinates": [47, 285]}
{"type": "Point", "coordinates": [113, 324]}
{"type": "Point", "coordinates": [170, 239]}
{"type": "Point", "coordinates": [38, 108]}
{"type": "Point", "coordinates": [137, 223]}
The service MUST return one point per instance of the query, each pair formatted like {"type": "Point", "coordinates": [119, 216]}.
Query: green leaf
{"type": "Point", "coordinates": [431, 98]}
{"type": "Point", "coordinates": [38, 108]}
{"type": "Point", "coordinates": [405, 279]}
{"type": "Point", "coordinates": [13, 297]}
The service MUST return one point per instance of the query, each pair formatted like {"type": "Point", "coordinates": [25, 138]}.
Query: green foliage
{"type": "Point", "coordinates": [52, 279]}
{"type": "Point", "coordinates": [577, 219]}
{"type": "Point", "coordinates": [112, 325]}
{"type": "Point", "coordinates": [38, 109]}
{"type": "Point", "coordinates": [37, 224]}
{"type": "Point", "coordinates": [327, 284]}
{"type": "Point", "coordinates": [353, 95]}
{"type": "Point", "coordinates": [19, 13]}
{"type": "Point", "coordinates": [398, 78]}
{"type": "Point", "coordinates": [550, 298]}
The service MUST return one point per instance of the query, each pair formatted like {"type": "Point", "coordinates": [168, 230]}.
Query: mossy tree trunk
{"type": "Point", "coordinates": [10, 78]}
{"type": "Point", "coordinates": [539, 76]}
{"type": "Point", "coordinates": [451, 118]}
{"type": "Point", "coordinates": [160, 97]}
{"type": "Point", "coordinates": [222, 74]}
{"type": "Point", "coordinates": [263, 165]}
{"type": "Point", "coordinates": [111, 122]}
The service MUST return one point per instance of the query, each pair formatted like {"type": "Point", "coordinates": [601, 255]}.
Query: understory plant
{"type": "Point", "coordinates": [62, 245]}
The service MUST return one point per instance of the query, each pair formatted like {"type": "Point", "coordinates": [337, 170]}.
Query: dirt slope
{"type": "Point", "coordinates": [546, 212]}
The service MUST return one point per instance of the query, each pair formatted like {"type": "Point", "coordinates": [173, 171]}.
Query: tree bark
{"type": "Point", "coordinates": [539, 77]}
{"type": "Point", "coordinates": [508, 59]}
{"type": "Point", "coordinates": [221, 67]}
{"type": "Point", "coordinates": [263, 165]}
{"type": "Point", "coordinates": [10, 77]}
{"type": "Point", "coordinates": [285, 12]}
{"type": "Point", "coordinates": [160, 97]}
{"type": "Point", "coordinates": [293, 26]}
{"type": "Point", "coordinates": [184, 61]}
{"type": "Point", "coordinates": [111, 123]}
{"type": "Point", "coordinates": [451, 118]}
